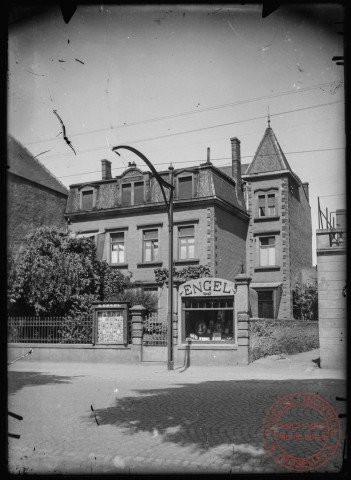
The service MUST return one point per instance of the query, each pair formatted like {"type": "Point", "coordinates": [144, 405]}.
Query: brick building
{"type": "Point", "coordinates": [34, 196]}
{"type": "Point", "coordinates": [279, 241]}
{"type": "Point", "coordinates": [127, 217]}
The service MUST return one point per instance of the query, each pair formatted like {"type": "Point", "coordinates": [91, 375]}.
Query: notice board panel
{"type": "Point", "coordinates": [111, 323]}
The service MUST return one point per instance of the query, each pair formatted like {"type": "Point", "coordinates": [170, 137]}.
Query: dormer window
{"type": "Point", "coordinates": [132, 193]}
{"type": "Point", "coordinates": [185, 187]}
{"type": "Point", "coordinates": [87, 197]}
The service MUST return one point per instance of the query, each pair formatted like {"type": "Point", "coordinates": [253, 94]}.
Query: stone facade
{"type": "Point", "coordinates": [279, 240]}
{"type": "Point", "coordinates": [133, 204]}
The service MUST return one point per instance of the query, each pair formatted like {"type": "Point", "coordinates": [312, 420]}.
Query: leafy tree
{"type": "Point", "coordinates": [185, 274]}
{"type": "Point", "coordinates": [139, 296]}
{"type": "Point", "coordinates": [305, 300]}
{"type": "Point", "coordinates": [58, 274]}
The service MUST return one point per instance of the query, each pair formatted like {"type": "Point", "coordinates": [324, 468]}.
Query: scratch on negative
{"type": "Point", "coordinates": [64, 132]}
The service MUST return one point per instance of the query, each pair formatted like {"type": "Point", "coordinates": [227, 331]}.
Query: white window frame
{"type": "Point", "coordinates": [124, 247]}
{"type": "Point", "coordinates": [157, 238]}
{"type": "Point", "coordinates": [179, 227]}
{"type": "Point", "coordinates": [267, 253]}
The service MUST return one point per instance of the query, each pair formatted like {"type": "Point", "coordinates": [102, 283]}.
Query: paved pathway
{"type": "Point", "coordinates": [99, 418]}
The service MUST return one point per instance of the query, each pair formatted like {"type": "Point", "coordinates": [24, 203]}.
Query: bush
{"type": "Point", "coordinates": [273, 337]}
{"type": "Point", "coordinates": [305, 300]}
{"type": "Point", "coordinates": [139, 296]}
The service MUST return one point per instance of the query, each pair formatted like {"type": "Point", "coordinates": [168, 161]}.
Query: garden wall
{"type": "Point", "coordinates": [272, 337]}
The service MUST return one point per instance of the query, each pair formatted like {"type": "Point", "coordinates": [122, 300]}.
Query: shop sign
{"type": "Point", "coordinates": [213, 287]}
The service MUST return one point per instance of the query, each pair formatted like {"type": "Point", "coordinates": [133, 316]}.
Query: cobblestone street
{"type": "Point", "coordinates": [85, 419]}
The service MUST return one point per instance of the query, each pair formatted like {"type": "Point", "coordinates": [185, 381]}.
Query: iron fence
{"type": "Point", "coordinates": [154, 330]}
{"type": "Point", "coordinates": [59, 330]}
{"type": "Point", "coordinates": [50, 330]}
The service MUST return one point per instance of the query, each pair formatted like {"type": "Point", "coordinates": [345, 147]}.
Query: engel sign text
{"type": "Point", "coordinates": [207, 287]}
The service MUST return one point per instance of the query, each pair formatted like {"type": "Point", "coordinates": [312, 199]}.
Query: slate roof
{"type": "Point", "coordinates": [269, 156]}
{"type": "Point", "coordinates": [22, 163]}
{"type": "Point", "coordinates": [228, 169]}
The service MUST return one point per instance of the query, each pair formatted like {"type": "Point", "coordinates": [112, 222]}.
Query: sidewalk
{"type": "Point", "coordinates": [120, 419]}
{"type": "Point", "coordinates": [275, 367]}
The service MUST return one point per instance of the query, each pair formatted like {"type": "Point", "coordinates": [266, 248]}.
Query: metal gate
{"type": "Point", "coordinates": [154, 339]}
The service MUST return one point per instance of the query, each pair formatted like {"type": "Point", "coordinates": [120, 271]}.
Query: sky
{"type": "Point", "coordinates": [174, 80]}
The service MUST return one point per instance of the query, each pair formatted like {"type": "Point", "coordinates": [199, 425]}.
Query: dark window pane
{"type": "Point", "coordinates": [138, 193]}
{"type": "Point", "coordinates": [185, 187]}
{"type": "Point", "coordinates": [127, 194]}
{"type": "Point", "coordinates": [266, 241]}
{"type": "Point", "coordinates": [150, 235]}
{"type": "Point", "coordinates": [186, 231]}
{"type": "Point", "coordinates": [87, 199]}
{"type": "Point", "coordinates": [117, 237]}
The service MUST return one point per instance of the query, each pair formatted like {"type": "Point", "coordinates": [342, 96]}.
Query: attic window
{"type": "Point", "coordinates": [87, 199]}
{"type": "Point", "coordinates": [132, 193]}
{"type": "Point", "coordinates": [185, 187]}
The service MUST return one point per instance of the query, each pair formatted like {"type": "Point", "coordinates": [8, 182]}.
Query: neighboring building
{"type": "Point", "coordinates": [34, 196]}
{"type": "Point", "coordinates": [128, 218]}
{"type": "Point", "coordinates": [331, 267]}
{"type": "Point", "coordinates": [279, 241]}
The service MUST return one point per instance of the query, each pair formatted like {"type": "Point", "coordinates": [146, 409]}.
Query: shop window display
{"type": "Point", "coordinates": [209, 320]}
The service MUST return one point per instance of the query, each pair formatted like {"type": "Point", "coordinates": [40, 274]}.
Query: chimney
{"type": "Point", "coordinates": [305, 186]}
{"type": "Point", "coordinates": [208, 161]}
{"type": "Point", "coordinates": [106, 169]}
{"type": "Point", "coordinates": [236, 166]}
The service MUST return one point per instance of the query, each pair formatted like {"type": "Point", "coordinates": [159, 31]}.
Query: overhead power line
{"type": "Point", "coordinates": [203, 160]}
{"type": "Point", "coordinates": [205, 128]}
{"type": "Point", "coordinates": [200, 110]}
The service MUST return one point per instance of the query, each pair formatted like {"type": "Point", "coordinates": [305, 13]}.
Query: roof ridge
{"type": "Point", "coordinates": [40, 164]}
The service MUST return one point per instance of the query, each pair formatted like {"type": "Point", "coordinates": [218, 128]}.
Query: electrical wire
{"type": "Point", "coordinates": [205, 128]}
{"type": "Point", "coordinates": [203, 160]}
{"type": "Point", "coordinates": [200, 110]}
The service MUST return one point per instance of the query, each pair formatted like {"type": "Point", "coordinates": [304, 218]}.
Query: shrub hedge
{"type": "Point", "coordinates": [272, 337]}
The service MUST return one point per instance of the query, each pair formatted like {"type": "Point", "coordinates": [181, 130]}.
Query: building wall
{"type": "Point", "coordinates": [331, 268]}
{"type": "Point", "coordinates": [278, 227]}
{"type": "Point", "coordinates": [300, 227]}
{"type": "Point", "coordinates": [293, 230]}
{"type": "Point", "coordinates": [286, 306]}
{"type": "Point", "coordinates": [230, 244]}
{"type": "Point", "coordinates": [30, 205]}
{"type": "Point", "coordinates": [202, 219]}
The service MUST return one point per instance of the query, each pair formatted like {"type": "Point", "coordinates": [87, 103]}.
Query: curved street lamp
{"type": "Point", "coordinates": [169, 205]}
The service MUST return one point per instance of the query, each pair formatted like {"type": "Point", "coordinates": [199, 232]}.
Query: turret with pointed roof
{"type": "Point", "coordinates": [269, 156]}
{"type": "Point", "coordinates": [279, 241]}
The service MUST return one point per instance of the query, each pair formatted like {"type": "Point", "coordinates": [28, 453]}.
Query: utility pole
{"type": "Point", "coordinates": [169, 205]}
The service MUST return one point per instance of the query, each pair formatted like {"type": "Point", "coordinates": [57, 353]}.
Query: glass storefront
{"type": "Point", "coordinates": [208, 319]}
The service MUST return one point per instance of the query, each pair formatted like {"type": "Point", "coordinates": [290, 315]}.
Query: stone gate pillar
{"type": "Point", "coordinates": [138, 312]}
{"type": "Point", "coordinates": [242, 314]}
